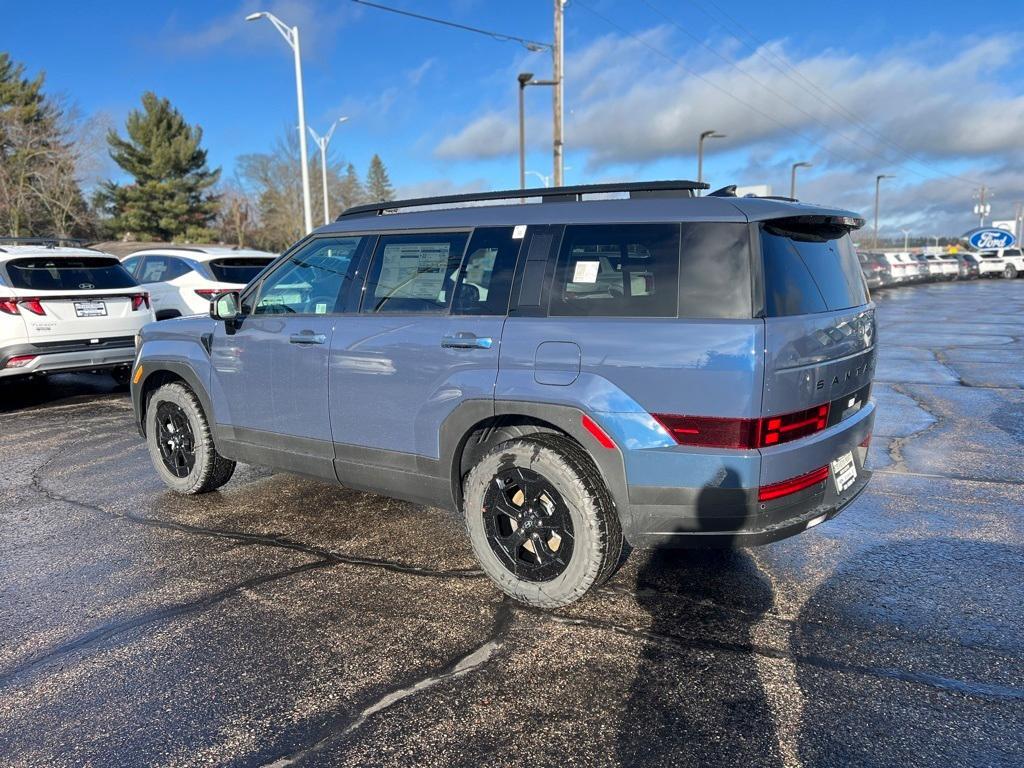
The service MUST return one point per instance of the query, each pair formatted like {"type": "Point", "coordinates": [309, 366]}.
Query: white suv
{"type": "Point", "coordinates": [183, 279]}
{"type": "Point", "coordinates": [66, 309]}
{"type": "Point", "coordinates": [1012, 261]}
{"type": "Point", "coordinates": [991, 264]}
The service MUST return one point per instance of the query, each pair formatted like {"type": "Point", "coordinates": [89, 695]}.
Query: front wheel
{"type": "Point", "coordinates": [180, 443]}
{"type": "Point", "coordinates": [1010, 272]}
{"type": "Point", "coordinates": [541, 521]}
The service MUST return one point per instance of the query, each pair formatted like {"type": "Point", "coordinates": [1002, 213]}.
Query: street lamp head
{"type": "Point", "coordinates": [525, 77]}
{"type": "Point", "coordinates": [254, 16]}
{"type": "Point", "coordinates": [707, 134]}
{"type": "Point", "coordinates": [803, 164]}
{"type": "Point", "coordinates": [342, 119]}
{"type": "Point", "coordinates": [881, 176]}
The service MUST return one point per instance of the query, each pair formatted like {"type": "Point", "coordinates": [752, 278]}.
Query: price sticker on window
{"type": "Point", "coordinates": [586, 272]}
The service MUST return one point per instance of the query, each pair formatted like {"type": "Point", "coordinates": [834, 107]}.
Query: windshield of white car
{"type": "Point", "coordinates": [239, 270]}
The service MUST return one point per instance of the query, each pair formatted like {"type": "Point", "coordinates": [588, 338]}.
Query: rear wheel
{"type": "Point", "coordinates": [541, 521]}
{"type": "Point", "coordinates": [1010, 272]}
{"type": "Point", "coordinates": [180, 443]}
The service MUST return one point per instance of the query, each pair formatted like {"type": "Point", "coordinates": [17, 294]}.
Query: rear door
{"type": "Point", "coordinates": [819, 340]}
{"type": "Point", "coordinates": [425, 340]}
{"type": "Point", "coordinates": [64, 298]}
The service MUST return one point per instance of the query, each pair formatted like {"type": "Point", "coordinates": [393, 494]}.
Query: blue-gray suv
{"type": "Point", "coordinates": [567, 373]}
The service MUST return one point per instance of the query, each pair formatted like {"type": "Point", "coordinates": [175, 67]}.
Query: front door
{"type": "Point", "coordinates": [426, 340]}
{"type": "Point", "coordinates": [270, 368]}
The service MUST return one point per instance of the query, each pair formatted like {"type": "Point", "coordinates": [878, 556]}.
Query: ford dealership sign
{"type": "Point", "coordinates": [990, 239]}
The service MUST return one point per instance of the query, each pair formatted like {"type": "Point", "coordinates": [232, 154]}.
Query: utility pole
{"type": "Point", "coordinates": [1018, 215]}
{"type": "Point", "coordinates": [982, 208]}
{"type": "Point", "coordinates": [558, 63]}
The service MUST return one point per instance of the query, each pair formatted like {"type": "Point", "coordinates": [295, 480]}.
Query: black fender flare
{"type": "Point", "coordinates": [150, 367]}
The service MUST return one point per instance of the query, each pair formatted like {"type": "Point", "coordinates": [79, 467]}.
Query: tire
{"type": "Point", "coordinates": [174, 412]}
{"type": "Point", "coordinates": [1010, 272]}
{"type": "Point", "coordinates": [572, 489]}
{"type": "Point", "coordinates": [121, 376]}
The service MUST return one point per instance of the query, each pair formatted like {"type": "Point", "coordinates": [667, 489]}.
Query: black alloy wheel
{"type": "Point", "coordinates": [528, 525]}
{"type": "Point", "coordinates": [175, 439]}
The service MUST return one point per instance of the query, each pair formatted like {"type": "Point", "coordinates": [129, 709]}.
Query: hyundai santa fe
{"type": "Point", "coordinates": [567, 375]}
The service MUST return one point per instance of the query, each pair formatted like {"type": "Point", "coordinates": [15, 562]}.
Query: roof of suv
{"type": "Point", "coordinates": [205, 252]}
{"type": "Point", "coordinates": [8, 252]}
{"type": "Point", "coordinates": [656, 201]}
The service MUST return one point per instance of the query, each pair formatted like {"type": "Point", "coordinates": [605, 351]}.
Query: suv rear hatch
{"type": "Point", "coordinates": [819, 343]}
{"type": "Point", "coordinates": [74, 297]}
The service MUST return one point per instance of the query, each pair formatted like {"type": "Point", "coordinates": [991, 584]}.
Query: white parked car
{"type": "Point", "coordinates": [904, 268]}
{"type": "Point", "coordinates": [991, 264]}
{"type": "Point", "coordinates": [182, 280]}
{"type": "Point", "coordinates": [67, 309]}
{"type": "Point", "coordinates": [942, 266]}
{"type": "Point", "coordinates": [1013, 261]}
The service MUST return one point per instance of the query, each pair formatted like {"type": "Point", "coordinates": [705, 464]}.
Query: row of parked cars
{"type": "Point", "coordinates": [888, 268]}
{"type": "Point", "coordinates": [64, 307]}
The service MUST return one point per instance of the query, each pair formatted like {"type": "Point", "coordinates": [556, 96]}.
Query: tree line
{"type": "Point", "coordinates": [170, 194]}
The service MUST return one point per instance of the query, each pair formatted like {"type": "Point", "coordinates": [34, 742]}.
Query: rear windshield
{"type": "Point", "coordinates": [240, 271]}
{"type": "Point", "coordinates": [68, 274]}
{"type": "Point", "coordinates": [806, 272]}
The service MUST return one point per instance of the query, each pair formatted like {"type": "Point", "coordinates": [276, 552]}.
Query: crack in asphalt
{"type": "Point", "coordinates": [895, 447]}
{"type": "Point", "coordinates": [340, 726]}
{"type": "Point", "coordinates": [112, 629]}
{"type": "Point", "coordinates": [674, 643]}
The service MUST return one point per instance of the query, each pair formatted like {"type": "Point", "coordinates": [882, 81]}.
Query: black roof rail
{"type": "Point", "coordinates": [49, 242]}
{"type": "Point", "coordinates": [636, 189]}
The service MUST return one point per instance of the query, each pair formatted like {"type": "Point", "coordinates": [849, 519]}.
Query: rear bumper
{"type": "Point", "coordinates": [724, 509]}
{"type": "Point", "coordinates": [74, 355]}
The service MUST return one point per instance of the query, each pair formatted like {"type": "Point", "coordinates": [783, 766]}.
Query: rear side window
{"type": "Point", "coordinates": [68, 274]}
{"type": "Point", "coordinates": [805, 273]}
{"type": "Point", "coordinates": [714, 271]}
{"type": "Point", "coordinates": [240, 271]}
{"type": "Point", "coordinates": [414, 273]}
{"type": "Point", "coordinates": [158, 269]}
{"type": "Point", "coordinates": [625, 270]}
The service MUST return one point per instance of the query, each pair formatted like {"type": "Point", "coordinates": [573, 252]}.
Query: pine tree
{"type": "Point", "coordinates": [170, 196]}
{"type": "Point", "coordinates": [351, 188]}
{"type": "Point", "coordinates": [378, 185]}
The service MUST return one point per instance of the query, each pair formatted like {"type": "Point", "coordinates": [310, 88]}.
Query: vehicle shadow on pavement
{"type": "Point", "coordinates": [901, 663]}
{"type": "Point", "coordinates": [697, 698]}
{"type": "Point", "coordinates": [22, 393]}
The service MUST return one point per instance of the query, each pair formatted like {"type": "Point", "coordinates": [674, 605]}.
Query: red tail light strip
{"type": "Point", "coordinates": [34, 306]}
{"type": "Point", "coordinates": [713, 432]}
{"type": "Point", "coordinates": [138, 300]}
{"type": "Point", "coordinates": [794, 484]}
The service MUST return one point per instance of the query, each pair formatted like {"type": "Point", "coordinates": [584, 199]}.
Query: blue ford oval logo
{"type": "Point", "coordinates": [990, 239]}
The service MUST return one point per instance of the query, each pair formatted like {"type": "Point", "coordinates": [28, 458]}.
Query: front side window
{"type": "Point", "coordinates": [312, 281]}
{"type": "Point", "coordinates": [624, 270]}
{"type": "Point", "coordinates": [485, 278]}
{"type": "Point", "coordinates": [414, 273]}
{"type": "Point", "coordinates": [68, 273]}
{"type": "Point", "coordinates": [160, 269]}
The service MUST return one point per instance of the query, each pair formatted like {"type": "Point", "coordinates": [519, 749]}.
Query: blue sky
{"type": "Point", "coordinates": [923, 90]}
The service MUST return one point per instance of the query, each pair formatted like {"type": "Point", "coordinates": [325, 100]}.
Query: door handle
{"type": "Point", "coordinates": [464, 340]}
{"type": "Point", "coordinates": [308, 337]}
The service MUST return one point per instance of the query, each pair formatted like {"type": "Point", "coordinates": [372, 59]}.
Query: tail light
{"type": "Point", "coordinates": [19, 361]}
{"type": "Point", "coordinates": [139, 300]}
{"type": "Point", "coordinates": [712, 432]}
{"type": "Point", "coordinates": [793, 485]}
{"type": "Point", "coordinates": [34, 306]}
{"type": "Point", "coordinates": [9, 306]}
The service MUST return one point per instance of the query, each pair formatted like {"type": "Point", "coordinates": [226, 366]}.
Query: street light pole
{"type": "Point", "coordinates": [792, 177]}
{"type": "Point", "coordinates": [906, 239]}
{"type": "Point", "coordinates": [700, 151]}
{"type": "Point", "coordinates": [545, 180]}
{"type": "Point", "coordinates": [557, 75]}
{"type": "Point", "coordinates": [878, 183]}
{"type": "Point", "coordinates": [525, 79]}
{"type": "Point", "coordinates": [322, 142]}
{"type": "Point", "coordinates": [291, 36]}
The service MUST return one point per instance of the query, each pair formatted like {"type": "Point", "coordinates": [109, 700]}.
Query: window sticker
{"type": "Point", "coordinates": [586, 271]}
{"type": "Point", "coordinates": [321, 309]}
{"type": "Point", "coordinates": [519, 232]}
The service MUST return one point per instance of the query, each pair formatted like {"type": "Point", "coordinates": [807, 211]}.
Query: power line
{"type": "Point", "coordinates": [530, 45]}
{"type": "Point", "coordinates": [759, 48]}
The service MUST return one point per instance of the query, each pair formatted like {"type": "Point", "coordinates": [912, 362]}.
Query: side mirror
{"type": "Point", "coordinates": [225, 307]}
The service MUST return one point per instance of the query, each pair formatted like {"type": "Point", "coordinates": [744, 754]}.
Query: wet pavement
{"type": "Point", "coordinates": [285, 622]}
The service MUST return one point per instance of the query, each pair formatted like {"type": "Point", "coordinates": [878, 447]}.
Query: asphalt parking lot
{"type": "Point", "coordinates": [284, 622]}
